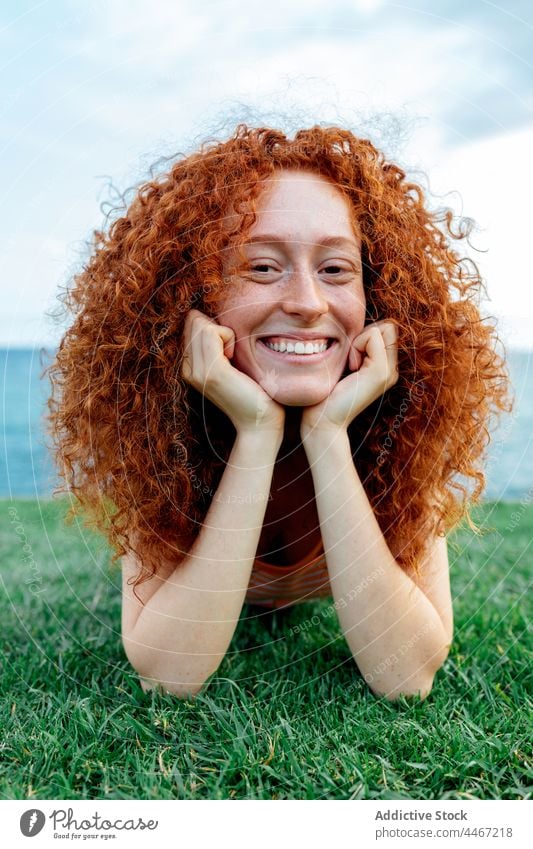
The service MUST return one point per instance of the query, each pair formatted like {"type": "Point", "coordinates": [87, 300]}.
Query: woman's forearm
{"type": "Point", "coordinates": [184, 630]}
{"type": "Point", "coordinates": [394, 632]}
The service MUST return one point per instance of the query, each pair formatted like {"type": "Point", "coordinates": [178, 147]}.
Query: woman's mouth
{"type": "Point", "coordinates": [295, 351]}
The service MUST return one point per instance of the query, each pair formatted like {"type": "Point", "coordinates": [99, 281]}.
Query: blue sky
{"type": "Point", "coordinates": [98, 91]}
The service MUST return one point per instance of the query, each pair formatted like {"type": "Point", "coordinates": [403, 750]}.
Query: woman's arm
{"type": "Point", "coordinates": [399, 634]}
{"type": "Point", "coordinates": [399, 630]}
{"type": "Point", "coordinates": [182, 633]}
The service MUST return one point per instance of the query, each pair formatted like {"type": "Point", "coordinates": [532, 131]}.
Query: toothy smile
{"type": "Point", "coordinates": [284, 345]}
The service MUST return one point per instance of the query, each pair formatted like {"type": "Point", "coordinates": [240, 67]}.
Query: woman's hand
{"type": "Point", "coordinates": [208, 347]}
{"type": "Point", "coordinates": [374, 359]}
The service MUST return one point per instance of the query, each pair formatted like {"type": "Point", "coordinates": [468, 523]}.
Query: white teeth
{"type": "Point", "coordinates": [297, 347]}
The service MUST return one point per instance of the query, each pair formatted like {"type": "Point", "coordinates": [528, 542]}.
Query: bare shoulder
{"type": "Point", "coordinates": [133, 603]}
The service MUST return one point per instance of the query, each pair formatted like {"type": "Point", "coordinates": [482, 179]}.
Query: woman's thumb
{"type": "Point", "coordinates": [355, 358]}
{"type": "Point", "coordinates": [228, 337]}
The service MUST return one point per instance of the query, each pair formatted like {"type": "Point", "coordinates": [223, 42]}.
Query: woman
{"type": "Point", "coordinates": [276, 387]}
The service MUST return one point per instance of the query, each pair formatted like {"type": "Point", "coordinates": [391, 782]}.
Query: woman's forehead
{"type": "Point", "coordinates": [293, 204]}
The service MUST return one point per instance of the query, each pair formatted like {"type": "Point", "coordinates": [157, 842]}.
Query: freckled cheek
{"type": "Point", "coordinates": [357, 315]}
{"type": "Point", "coordinates": [244, 320]}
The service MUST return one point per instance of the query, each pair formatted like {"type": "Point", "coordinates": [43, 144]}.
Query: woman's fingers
{"type": "Point", "coordinates": [355, 358]}
{"type": "Point", "coordinates": [371, 343]}
{"type": "Point", "coordinates": [379, 343]}
{"type": "Point", "coordinates": [195, 324]}
{"type": "Point", "coordinates": [390, 337]}
{"type": "Point", "coordinates": [228, 337]}
{"type": "Point", "coordinates": [207, 348]}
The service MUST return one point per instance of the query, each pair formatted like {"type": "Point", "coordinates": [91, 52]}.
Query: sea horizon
{"type": "Point", "coordinates": [26, 469]}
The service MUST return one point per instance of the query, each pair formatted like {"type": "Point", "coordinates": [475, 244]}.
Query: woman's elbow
{"type": "Point", "coordinates": [184, 684]}
{"type": "Point", "coordinates": [419, 688]}
{"type": "Point", "coordinates": [417, 685]}
{"type": "Point", "coordinates": [183, 691]}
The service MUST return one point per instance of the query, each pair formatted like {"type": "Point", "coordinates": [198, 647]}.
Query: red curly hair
{"type": "Point", "coordinates": [142, 451]}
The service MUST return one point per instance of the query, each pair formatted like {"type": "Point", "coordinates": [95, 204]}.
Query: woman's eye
{"type": "Point", "coordinates": [335, 268]}
{"type": "Point", "coordinates": [262, 267]}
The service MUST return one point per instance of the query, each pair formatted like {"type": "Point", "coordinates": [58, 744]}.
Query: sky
{"type": "Point", "coordinates": [93, 93]}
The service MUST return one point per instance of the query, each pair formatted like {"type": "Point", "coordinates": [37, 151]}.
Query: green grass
{"type": "Point", "coordinates": [286, 717]}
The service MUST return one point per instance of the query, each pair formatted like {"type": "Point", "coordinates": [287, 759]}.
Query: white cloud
{"type": "Point", "coordinates": [149, 83]}
{"type": "Point", "coordinates": [134, 80]}
{"type": "Point", "coordinates": [496, 186]}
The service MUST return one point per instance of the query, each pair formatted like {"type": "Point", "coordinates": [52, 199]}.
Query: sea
{"type": "Point", "coordinates": [26, 469]}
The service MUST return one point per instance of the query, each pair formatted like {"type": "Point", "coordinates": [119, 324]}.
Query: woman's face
{"type": "Point", "coordinates": [301, 280]}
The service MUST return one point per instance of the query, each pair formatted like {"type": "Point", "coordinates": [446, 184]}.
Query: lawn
{"type": "Point", "coordinates": [287, 716]}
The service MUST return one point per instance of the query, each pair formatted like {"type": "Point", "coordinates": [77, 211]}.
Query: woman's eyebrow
{"type": "Point", "coordinates": [325, 241]}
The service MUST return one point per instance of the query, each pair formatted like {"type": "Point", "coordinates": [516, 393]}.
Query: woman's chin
{"type": "Point", "coordinates": [304, 397]}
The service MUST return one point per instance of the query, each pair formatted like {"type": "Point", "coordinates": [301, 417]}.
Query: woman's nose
{"type": "Point", "coordinates": [304, 295]}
